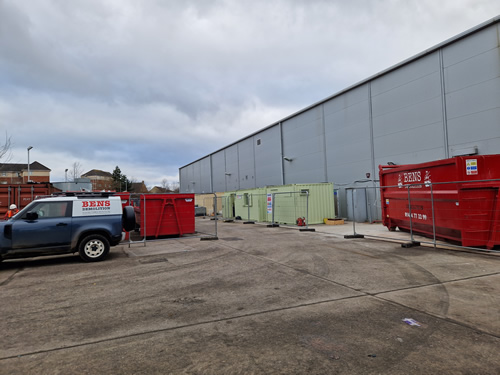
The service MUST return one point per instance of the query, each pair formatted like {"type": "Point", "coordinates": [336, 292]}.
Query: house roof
{"type": "Point", "coordinates": [13, 167]}
{"type": "Point", "coordinates": [138, 187]}
{"type": "Point", "coordinates": [97, 172]}
{"type": "Point", "coordinates": [159, 189]}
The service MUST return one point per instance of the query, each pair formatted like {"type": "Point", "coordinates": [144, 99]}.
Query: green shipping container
{"type": "Point", "coordinates": [291, 202]}
{"type": "Point", "coordinates": [253, 202]}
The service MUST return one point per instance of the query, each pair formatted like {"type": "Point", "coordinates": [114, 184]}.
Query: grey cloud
{"type": "Point", "coordinates": [156, 84]}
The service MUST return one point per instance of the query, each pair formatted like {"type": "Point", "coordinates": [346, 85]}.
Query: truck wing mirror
{"type": "Point", "coordinates": [31, 216]}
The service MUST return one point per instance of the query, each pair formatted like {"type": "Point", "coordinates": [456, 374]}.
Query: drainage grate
{"type": "Point", "coordinates": [232, 239]}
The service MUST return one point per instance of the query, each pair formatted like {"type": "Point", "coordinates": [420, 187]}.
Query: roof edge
{"type": "Point", "coordinates": [428, 51]}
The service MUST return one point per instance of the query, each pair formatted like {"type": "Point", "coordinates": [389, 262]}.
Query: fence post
{"type": "Point", "coordinates": [145, 221]}
{"type": "Point", "coordinates": [272, 225]}
{"type": "Point", "coordinates": [307, 229]}
{"type": "Point", "coordinates": [249, 199]}
{"type": "Point", "coordinates": [307, 209]}
{"type": "Point", "coordinates": [214, 205]}
{"type": "Point", "coordinates": [215, 213]}
{"type": "Point", "coordinates": [354, 235]}
{"type": "Point", "coordinates": [433, 218]}
{"type": "Point", "coordinates": [353, 213]}
{"type": "Point", "coordinates": [336, 198]}
{"type": "Point", "coordinates": [272, 207]}
{"type": "Point", "coordinates": [409, 210]}
{"type": "Point", "coordinates": [129, 233]}
{"type": "Point", "coordinates": [412, 241]}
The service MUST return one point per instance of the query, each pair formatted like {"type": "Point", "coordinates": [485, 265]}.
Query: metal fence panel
{"type": "Point", "coordinates": [455, 214]}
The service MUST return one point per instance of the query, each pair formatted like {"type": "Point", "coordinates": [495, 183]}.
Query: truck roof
{"type": "Point", "coordinates": [78, 196]}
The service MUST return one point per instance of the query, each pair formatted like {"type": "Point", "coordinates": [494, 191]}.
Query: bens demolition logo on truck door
{"type": "Point", "coordinates": [93, 206]}
{"type": "Point", "coordinates": [96, 207]}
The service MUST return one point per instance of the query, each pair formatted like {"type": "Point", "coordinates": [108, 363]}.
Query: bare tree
{"type": "Point", "coordinates": [75, 171]}
{"type": "Point", "coordinates": [175, 186]}
{"type": "Point", "coordinates": [165, 185]}
{"type": "Point", "coordinates": [6, 149]}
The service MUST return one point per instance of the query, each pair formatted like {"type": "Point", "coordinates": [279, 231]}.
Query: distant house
{"type": "Point", "coordinates": [101, 180]}
{"type": "Point", "coordinates": [159, 190]}
{"type": "Point", "coordinates": [162, 190]}
{"type": "Point", "coordinates": [138, 187]}
{"type": "Point", "coordinates": [11, 173]}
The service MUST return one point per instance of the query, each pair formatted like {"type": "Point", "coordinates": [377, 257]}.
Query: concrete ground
{"type": "Point", "coordinates": [257, 301]}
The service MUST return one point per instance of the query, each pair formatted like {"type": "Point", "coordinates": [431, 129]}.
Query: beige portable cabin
{"type": "Point", "coordinates": [207, 201]}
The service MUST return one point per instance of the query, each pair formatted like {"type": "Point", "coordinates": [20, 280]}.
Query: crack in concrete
{"type": "Point", "coordinates": [8, 279]}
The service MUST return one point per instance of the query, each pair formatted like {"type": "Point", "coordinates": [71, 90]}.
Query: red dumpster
{"type": "Point", "coordinates": [22, 194]}
{"type": "Point", "coordinates": [165, 214]}
{"type": "Point", "coordinates": [459, 196]}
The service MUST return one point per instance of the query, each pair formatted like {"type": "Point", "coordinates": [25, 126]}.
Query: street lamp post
{"type": "Point", "coordinates": [66, 175]}
{"type": "Point", "coordinates": [29, 148]}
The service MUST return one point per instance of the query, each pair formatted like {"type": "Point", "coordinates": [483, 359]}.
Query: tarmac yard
{"type": "Point", "coordinates": [257, 301]}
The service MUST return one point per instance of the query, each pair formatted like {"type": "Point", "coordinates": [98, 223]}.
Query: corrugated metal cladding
{"type": "Point", "coordinates": [441, 103]}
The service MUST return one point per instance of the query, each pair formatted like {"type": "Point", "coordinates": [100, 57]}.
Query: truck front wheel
{"type": "Point", "coordinates": [93, 248]}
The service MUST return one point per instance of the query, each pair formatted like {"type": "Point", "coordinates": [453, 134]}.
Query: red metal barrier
{"type": "Point", "coordinates": [449, 198]}
{"type": "Point", "coordinates": [166, 215]}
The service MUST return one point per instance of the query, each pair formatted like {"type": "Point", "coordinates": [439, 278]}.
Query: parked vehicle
{"type": "Point", "coordinates": [74, 222]}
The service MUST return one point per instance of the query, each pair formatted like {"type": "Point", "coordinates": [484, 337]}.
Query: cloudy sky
{"type": "Point", "coordinates": [153, 85]}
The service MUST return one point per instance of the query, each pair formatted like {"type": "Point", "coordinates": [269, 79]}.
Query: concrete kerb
{"type": "Point", "coordinates": [376, 231]}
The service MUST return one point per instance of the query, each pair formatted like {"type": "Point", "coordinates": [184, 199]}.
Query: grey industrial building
{"type": "Point", "coordinates": [440, 103]}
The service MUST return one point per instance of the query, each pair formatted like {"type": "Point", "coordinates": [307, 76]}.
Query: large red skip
{"type": "Point", "coordinates": [459, 197]}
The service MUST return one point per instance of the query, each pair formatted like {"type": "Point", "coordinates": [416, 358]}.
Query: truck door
{"type": "Point", "coordinates": [52, 228]}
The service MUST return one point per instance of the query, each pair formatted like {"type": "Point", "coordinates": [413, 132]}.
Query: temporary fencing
{"type": "Point", "coordinates": [228, 210]}
{"type": "Point", "coordinates": [205, 205]}
{"type": "Point", "coordinates": [457, 214]}
{"type": "Point", "coordinates": [287, 208]}
{"type": "Point", "coordinates": [290, 208]}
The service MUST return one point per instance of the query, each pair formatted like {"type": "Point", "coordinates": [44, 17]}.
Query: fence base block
{"type": "Point", "coordinates": [273, 225]}
{"type": "Point", "coordinates": [229, 221]}
{"type": "Point", "coordinates": [354, 236]}
{"type": "Point", "coordinates": [307, 230]}
{"type": "Point", "coordinates": [410, 244]}
{"type": "Point", "coordinates": [215, 238]}
{"type": "Point", "coordinates": [249, 222]}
